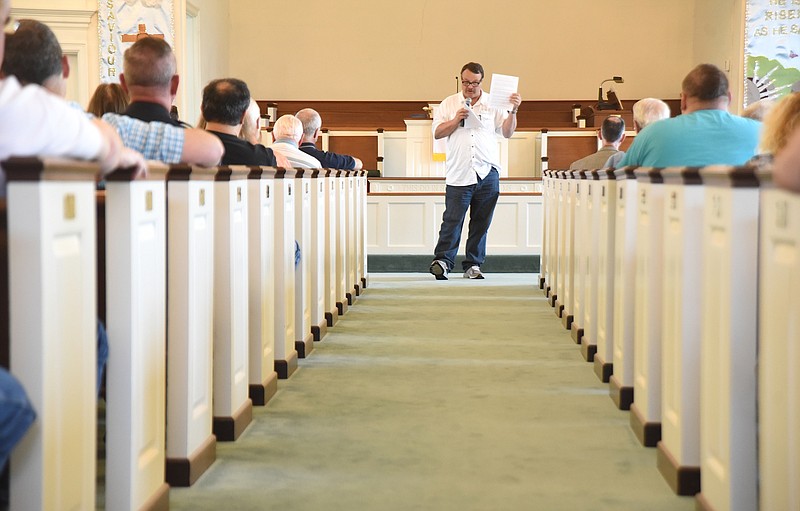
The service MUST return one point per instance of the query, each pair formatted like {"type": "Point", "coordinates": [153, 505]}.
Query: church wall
{"type": "Point", "coordinates": [719, 38]}
{"type": "Point", "coordinates": [412, 50]}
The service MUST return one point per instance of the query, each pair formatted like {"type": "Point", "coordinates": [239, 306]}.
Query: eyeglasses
{"type": "Point", "coordinates": [465, 83]}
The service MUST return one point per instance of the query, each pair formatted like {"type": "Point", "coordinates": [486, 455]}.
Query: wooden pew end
{"type": "Point", "coordinates": [648, 433]}
{"type": "Point", "coordinates": [261, 393]}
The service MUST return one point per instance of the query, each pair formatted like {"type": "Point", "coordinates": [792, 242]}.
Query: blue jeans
{"type": "Point", "coordinates": [480, 199]}
{"type": "Point", "coordinates": [16, 414]}
{"type": "Point", "coordinates": [102, 353]}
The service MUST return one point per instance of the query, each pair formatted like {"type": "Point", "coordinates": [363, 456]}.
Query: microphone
{"type": "Point", "coordinates": [467, 103]}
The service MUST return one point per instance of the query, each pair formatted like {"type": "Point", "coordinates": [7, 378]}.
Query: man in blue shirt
{"type": "Point", "coordinates": [312, 122]}
{"type": "Point", "coordinates": [705, 133]}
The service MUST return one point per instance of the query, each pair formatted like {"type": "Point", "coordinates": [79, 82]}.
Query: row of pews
{"type": "Point", "coordinates": [681, 285]}
{"type": "Point", "coordinates": [196, 276]}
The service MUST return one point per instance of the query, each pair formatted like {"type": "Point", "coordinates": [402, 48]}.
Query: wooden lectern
{"type": "Point", "coordinates": [594, 117]}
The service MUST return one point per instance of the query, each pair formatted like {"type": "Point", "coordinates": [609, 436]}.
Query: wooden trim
{"type": "Point", "coordinates": [648, 433]}
{"type": "Point", "coordinates": [285, 368]}
{"type": "Point", "coordinates": [50, 169]}
{"type": "Point", "coordinates": [682, 175]}
{"type": "Point", "coordinates": [732, 177]}
{"type": "Point", "coordinates": [391, 115]}
{"type": "Point", "coordinates": [185, 471]}
{"type": "Point", "coordinates": [622, 396]}
{"type": "Point", "coordinates": [320, 330]}
{"type": "Point", "coordinates": [158, 501]}
{"type": "Point", "coordinates": [649, 175]}
{"type": "Point", "coordinates": [305, 347]}
{"type": "Point", "coordinates": [261, 393]}
{"type": "Point", "coordinates": [684, 480]}
{"type": "Point", "coordinates": [603, 369]}
{"type": "Point", "coordinates": [228, 429]}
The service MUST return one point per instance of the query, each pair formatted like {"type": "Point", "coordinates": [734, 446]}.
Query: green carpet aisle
{"type": "Point", "coordinates": [451, 395]}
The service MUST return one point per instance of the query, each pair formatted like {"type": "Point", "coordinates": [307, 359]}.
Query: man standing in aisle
{"type": "Point", "coordinates": [472, 169]}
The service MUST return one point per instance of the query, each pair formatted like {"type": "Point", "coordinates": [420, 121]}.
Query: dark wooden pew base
{"type": "Point", "coordinates": [341, 307]}
{"type": "Point", "coordinates": [159, 501]}
{"type": "Point", "coordinates": [363, 282]}
{"type": "Point", "coordinates": [576, 332]}
{"type": "Point", "coordinates": [588, 350]}
{"type": "Point", "coordinates": [683, 480]}
{"type": "Point", "coordinates": [648, 433]}
{"type": "Point", "coordinates": [566, 321]}
{"type": "Point", "coordinates": [286, 368]}
{"type": "Point", "coordinates": [357, 289]}
{"type": "Point", "coordinates": [185, 471]}
{"type": "Point", "coordinates": [351, 296]}
{"type": "Point", "coordinates": [559, 309]}
{"type": "Point", "coordinates": [622, 396]}
{"type": "Point", "coordinates": [541, 282]}
{"type": "Point", "coordinates": [332, 317]}
{"type": "Point", "coordinates": [320, 331]}
{"type": "Point", "coordinates": [603, 369]}
{"type": "Point", "coordinates": [228, 429]}
{"type": "Point", "coordinates": [261, 393]}
{"type": "Point", "coordinates": [306, 346]}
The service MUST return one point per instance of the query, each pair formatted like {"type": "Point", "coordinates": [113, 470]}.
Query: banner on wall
{"type": "Point", "coordinates": [122, 22]}
{"type": "Point", "coordinates": [772, 49]}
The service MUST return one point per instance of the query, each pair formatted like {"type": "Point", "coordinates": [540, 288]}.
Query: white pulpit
{"type": "Point", "coordinates": [419, 150]}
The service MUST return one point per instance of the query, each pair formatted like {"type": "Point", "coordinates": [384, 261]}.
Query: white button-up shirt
{"type": "Point", "coordinates": [471, 152]}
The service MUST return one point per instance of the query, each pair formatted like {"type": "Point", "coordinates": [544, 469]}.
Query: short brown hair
{"type": "Point", "coordinates": [705, 82]}
{"type": "Point", "coordinates": [473, 67]}
{"type": "Point", "coordinates": [780, 123]}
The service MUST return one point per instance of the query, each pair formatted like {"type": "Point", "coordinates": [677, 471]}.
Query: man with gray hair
{"type": "Point", "coordinates": [611, 134]}
{"type": "Point", "coordinates": [149, 77]}
{"type": "Point", "coordinates": [287, 133]}
{"type": "Point", "coordinates": [645, 111]}
{"type": "Point", "coordinates": [312, 123]}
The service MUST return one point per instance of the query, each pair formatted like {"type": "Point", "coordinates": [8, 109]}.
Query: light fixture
{"type": "Point", "coordinates": [612, 102]}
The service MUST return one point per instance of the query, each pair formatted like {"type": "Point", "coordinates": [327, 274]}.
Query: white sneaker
{"type": "Point", "coordinates": [438, 269]}
{"type": "Point", "coordinates": [473, 272]}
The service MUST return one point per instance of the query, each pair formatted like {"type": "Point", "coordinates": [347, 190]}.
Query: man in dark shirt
{"type": "Point", "coordinates": [225, 102]}
{"type": "Point", "coordinates": [312, 122]}
{"type": "Point", "coordinates": [149, 77]}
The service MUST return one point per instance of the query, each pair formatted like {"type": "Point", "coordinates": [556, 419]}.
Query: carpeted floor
{"type": "Point", "coordinates": [427, 395]}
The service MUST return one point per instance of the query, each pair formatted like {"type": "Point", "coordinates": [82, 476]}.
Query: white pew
{"type": "Point", "coordinates": [778, 342]}
{"type": "Point", "coordinates": [589, 341]}
{"type": "Point", "coordinates": [728, 461]}
{"type": "Point", "coordinates": [352, 280]}
{"type": "Point", "coordinates": [52, 319]}
{"type": "Point", "coordinates": [331, 227]}
{"type": "Point", "coordinates": [621, 382]}
{"type": "Point", "coordinates": [606, 216]}
{"type": "Point", "coordinates": [341, 242]}
{"type": "Point", "coordinates": [303, 340]}
{"type": "Point", "coordinates": [543, 280]}
{"type": "Point", "coordinates": [135, 297]}
{"type": "Point", "coordinates": [263, 380]}
{"type": "Point", "coordinates": [581, 254]}
{"type": "Point", "coordinates": [361, 235]}
{"type": "Point", "coordinates": [191, 446]}
{"type": "Point", "coordinates": [233, 410]}
{"type": "Point", "coordinates": [552, 234]}
{"type": "Point", "coordinates": [679, 448]}
{"type": "Point", "coordinates": [646, 407]}
{"type": "Point", "coordinates": [561, 234]}
{"type": "Point", "coordinates": [283, 256]}
{"type": "Point", "coordinates": [564, 305]}
{"type": "Point", "coordinates": [316, 254]}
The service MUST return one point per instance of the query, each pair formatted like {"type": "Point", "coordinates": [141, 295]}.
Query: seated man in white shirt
{"type": "Point", "coordinates": [287, 133]}
{"type": "Point", "coordinates": [34, 56]}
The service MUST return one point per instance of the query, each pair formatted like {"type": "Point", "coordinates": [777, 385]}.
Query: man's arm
{"type": "Point", "coordinates": [113, 154]}
{"type": "Point", "coordinates": [446, 128]}
{"type": "Point", "coordinates": [510, 124]}
{"type": "Point", "coordinates": [201, 148]}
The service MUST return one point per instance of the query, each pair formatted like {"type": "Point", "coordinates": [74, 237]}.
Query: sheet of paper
{"type": "Point", "coordinates": [503, 86]}
{"type": "Point", "coordinates": [472, 120]}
